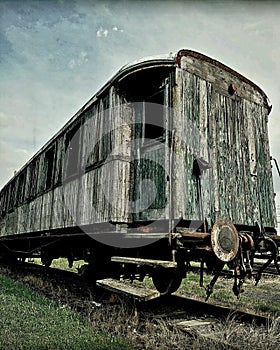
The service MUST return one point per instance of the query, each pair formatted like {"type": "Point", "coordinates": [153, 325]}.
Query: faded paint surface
{"type": "Point", "coordinates": [227, 130]}
{"type": "Point", "coordinates": [235, 128]}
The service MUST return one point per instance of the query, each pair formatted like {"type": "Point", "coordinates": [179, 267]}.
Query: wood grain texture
{"type": "Point", "coordinates": [228, 130]}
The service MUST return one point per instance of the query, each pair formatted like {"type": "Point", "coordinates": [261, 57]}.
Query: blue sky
{"type": "Point", "coordinates": [55, 55]}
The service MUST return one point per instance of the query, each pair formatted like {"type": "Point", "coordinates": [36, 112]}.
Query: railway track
{"type": "Point", "coordinates": [270, 270]}
{"type": "Point", "coordinates": [203, 309]}
{"type": "Point", "coordinates": [73, 283]}
{"type": "Point", "coordinates": [202, 320]}
{"type": "Point", "coordinates": [189, 317]}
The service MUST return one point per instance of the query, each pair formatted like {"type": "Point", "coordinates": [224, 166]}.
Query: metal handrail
{"type": "Point", "coordinates": [277, 167]}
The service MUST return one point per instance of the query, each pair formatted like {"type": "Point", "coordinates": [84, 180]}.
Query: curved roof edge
{"type": "Point", "coordinates": [169, 60]}
{"type": "Point", "coordinates": [197, 55]}
{"type": "Point", "coordinates": [164, 59]}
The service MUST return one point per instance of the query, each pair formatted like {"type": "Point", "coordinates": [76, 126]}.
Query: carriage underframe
{"type": "Point", "coordinates": [166, 260]}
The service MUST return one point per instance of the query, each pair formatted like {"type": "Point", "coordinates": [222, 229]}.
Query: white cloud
{"type": "Point", "coordinates": [99, 33]}
{"type": "Point", "coordinates": [102, 32]}
{"type": "Point", "coordinates": [116, 29]}
{"type": "Point", "coordinates": [105, 32]}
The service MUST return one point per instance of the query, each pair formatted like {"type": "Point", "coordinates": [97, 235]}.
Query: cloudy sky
{"type": "Point", "coordinates": [56, 54]}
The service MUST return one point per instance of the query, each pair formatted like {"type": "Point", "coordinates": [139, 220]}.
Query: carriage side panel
{"type": "Point", "coordinates": [235, 130]}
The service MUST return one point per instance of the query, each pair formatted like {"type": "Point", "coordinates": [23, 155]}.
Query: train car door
{"type": "Point", "coordinates": [151, 164]}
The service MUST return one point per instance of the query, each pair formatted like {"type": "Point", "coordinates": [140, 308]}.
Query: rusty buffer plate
{"type": "Point", "coordinates": [224, 240]}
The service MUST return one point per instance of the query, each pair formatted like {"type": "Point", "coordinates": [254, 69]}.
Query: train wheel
{"type": "Point", "coordinates": [46, 260]}
{"type": "Point", "coordinates": [167, 281]}
{"type": "Point", "coordinates": [87, 272]}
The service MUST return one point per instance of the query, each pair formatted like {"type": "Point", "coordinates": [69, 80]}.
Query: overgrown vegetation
{"type": "Point", "coordinates": [264, 298]}
{"type": "Point", "coordinates": [29, 320]}
{"type": "Point", "coordinates": [145, 332]}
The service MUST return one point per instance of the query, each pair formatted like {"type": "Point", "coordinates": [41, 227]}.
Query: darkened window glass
{"type": "Point", "coordinates": [72, 150]}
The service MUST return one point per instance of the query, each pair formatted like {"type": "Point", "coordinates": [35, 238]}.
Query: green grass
{"type": "Point", "coordinates": [62, 263]}
{"type": "Point", "coordinates": [264, 298]}
{"type": "Point", "coordinates": [28, 320]}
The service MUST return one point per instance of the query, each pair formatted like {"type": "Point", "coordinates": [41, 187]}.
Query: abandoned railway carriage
{"type": "Point", "coordinates": [168, 163]}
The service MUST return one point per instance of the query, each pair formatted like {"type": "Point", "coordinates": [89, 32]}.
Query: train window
{"type": "Point", "coordinates": [58, 160]}
{"type": "Point", "coordinates": [2, 210]}
{"type": "Point", "coordinates": [31, 180]}
{"type": "Point", "coordinates": [153, 116]}
{"type": "Point", "coordinates": [49, 165]}
{"type": "Point", "coordinates": [72, 150]}
{"type": "Point", "coordinates": [20, 188]}
{"type": "Point", "coordinates": [3, 202]}
{"type": "Point", "coordinates": [11, 196]}
{"type": "Point", "coordinates": [147, 86]}
{"type": "Point", "coordinates": [6, 199]}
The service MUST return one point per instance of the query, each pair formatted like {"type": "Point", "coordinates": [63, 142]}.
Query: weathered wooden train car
{"type": "Point", "coordinates": [168, 163]}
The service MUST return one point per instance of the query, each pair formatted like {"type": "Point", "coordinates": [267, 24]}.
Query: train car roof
{"type": "Point", "coordinates": [167, 60]}
{"type": "Point", "coordinates": [164, 60]}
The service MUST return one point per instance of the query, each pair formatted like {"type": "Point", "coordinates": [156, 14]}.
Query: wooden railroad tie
{"type": "Point", "coordinates": [137, 292]}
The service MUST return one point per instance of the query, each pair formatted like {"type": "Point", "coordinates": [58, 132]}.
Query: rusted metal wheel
{"type": "Point", "coordinates": [224, 240]}
{"type": "Point", "coordinates": [167, 281]}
